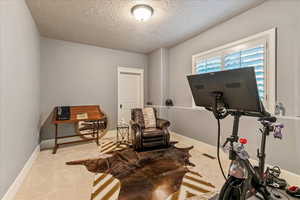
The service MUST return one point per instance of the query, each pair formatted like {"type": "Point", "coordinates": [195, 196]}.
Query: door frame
{"type": "Point", "coordinates": [130, 70]}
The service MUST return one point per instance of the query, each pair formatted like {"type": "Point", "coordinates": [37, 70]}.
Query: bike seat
{"type": "Point", "coordinates": [268, 119]}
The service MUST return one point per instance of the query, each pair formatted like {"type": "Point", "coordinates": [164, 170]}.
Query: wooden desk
{"type": "Point", "coordinates": [94, 114]}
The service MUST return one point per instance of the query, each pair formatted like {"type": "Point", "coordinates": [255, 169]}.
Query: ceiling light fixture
{"type": "Point", "coordinates": [142, 12]}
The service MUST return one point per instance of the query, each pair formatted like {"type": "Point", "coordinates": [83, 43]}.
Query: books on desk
{"type": "Point", "coordinates": [81, 116]}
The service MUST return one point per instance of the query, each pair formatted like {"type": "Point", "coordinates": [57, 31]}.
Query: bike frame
{"type": "Point", "coordinates": [254, 181]}
{"type": "Point", "coordinates": [254, 176]}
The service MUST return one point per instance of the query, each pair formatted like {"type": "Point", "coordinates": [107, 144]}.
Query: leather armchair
{"type": "Point", "coordinates": [148, 137]}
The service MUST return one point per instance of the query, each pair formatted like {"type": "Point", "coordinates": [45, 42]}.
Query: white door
{"type": "Point", "coordinates": [130, 92]}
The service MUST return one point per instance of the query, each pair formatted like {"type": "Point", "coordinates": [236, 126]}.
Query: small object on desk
{"type": "Point", "coordinates": [63, 113]}
{"type": "Point", "coordinates": [82, 116]}
{"type": "Point", "coordinates": [123, 133]}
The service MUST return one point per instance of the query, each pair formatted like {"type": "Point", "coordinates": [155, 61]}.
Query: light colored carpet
{"type": "Point", "coordinates": [50, 179]}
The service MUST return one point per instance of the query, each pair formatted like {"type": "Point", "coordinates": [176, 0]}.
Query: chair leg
{"type": "Point", "coordinates": [138, 142]}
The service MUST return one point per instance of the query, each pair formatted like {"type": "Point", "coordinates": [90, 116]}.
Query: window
{"type": "Point", "coordinates": [257, 51]}
{"type": "Point", "coordinates": [209, 65]}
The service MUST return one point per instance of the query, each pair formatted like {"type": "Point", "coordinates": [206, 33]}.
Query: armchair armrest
{"type": "Point", "coordinates": [162, 124]}
{"type": "Point", "coordinates": [134, 125]}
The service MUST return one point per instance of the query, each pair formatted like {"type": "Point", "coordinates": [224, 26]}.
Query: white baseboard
{"type": "Point", "coordinates": [13, 189]}
{"type": "Point", "coordinates": [292, 178]}
{"type": "Point", "coordinates": [47, 144]}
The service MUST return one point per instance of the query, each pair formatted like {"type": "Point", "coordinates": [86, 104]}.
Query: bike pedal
{"type": "Point", "coordinates": [293, 191]}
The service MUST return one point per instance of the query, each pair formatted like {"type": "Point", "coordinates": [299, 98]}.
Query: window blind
{"type": "Point", "coordinates": [254, 57]}
{"type": "Point", "coordinates": [209, 65]}
{"type": "Point", "coordinates": [232, 61]}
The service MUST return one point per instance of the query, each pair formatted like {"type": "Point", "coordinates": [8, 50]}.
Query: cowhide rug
{"type": "Point", "coordinates": [150, 175]}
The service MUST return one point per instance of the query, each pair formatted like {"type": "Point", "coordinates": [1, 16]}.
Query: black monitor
{"type": "Point", "coordinates": [237, 87]}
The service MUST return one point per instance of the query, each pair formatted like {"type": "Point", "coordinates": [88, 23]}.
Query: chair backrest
{"type": "Point", "coordinates": [138, 117]}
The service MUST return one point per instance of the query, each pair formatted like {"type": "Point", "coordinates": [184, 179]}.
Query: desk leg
{"type": "Point", "coordinates": [96, 131]}
{"type": "Point", "coordinates": [117, 135]}
{"type": "Point", "coordinates": [55, 144]}
{"type": "Point", "coordinates": [128, 141]}
{"type": "Point", "coordinates": [97, 138]}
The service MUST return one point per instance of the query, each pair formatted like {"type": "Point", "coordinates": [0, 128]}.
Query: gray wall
{"type": "Point", "coordinates": [158, 76]}
{"type": "Point", "coordinates": [77, 74]}
{"type": "Point", "coordinates": [155, 72]}
{"type": "Point", "coordinates": [19, 89]}
{"type": "Point", "coordinates": [200, 125]}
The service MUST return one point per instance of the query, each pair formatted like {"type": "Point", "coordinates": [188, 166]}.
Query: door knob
{"type": "Point", "coordinates": [121, 106]}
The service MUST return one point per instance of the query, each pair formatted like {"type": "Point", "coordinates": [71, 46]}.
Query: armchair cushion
{"type": "Point", "coordinates": [149, 118]}
{"type": "Point", "coordinates": [152, 132]}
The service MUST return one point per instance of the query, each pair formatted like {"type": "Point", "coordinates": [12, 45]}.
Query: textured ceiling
{"type": "Point", "coordinates": [109, 23]}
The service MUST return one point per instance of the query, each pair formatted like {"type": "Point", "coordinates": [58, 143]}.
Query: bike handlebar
{"type": "Point", "coordinates": [270, 119]}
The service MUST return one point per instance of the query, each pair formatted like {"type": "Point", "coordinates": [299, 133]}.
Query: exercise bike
{"type": "Point", "coordinates": [235, 93]}
{"type": "Point", "coordinates": [245, 180]}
